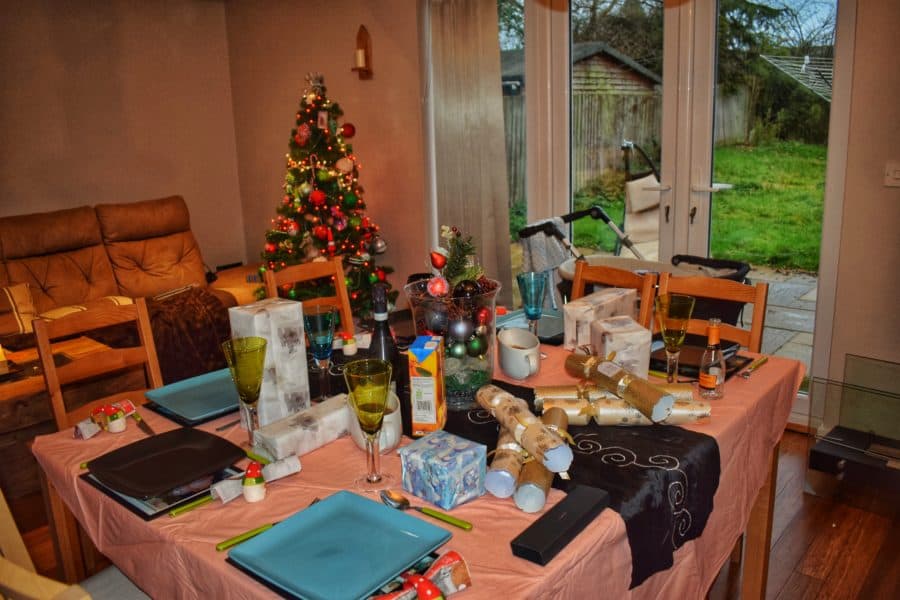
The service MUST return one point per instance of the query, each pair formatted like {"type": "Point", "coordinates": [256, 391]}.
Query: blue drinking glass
{"type": "Point", "coordinates": [319, 321]}
{"type": "Point", "coordinates": [531, 287]}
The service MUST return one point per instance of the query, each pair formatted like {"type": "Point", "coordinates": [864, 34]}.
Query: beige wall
{"type": "Point", "coordinates": [272, 46]}
{"type": "Point", "coordinates": [866, 318]}
{"type": "Point", "coordinates": [118, 101]}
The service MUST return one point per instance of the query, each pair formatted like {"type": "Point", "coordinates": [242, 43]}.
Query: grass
{"type": "Point", "coordinates": [772, 216]}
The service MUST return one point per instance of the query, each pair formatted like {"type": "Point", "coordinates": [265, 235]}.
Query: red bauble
{"type": "Point", "coordinates": [348, 130]}
{"type": "Point", "coordinates": [317, 197]}
{"type": "Point", "coordinates": [321, 232]}
{"type": "Point", "coordinates": [270, 247]}
{"type": "Point", "coordinates": [287, 200]}
{"type": "Point", "coordinates": [438, 258]}
{"type": "Point", "coordinates": [483, 315]}
{"type": "Point", "coordinates": [438, 286]}
{"type": "Point", "coordinates": [380, 274]}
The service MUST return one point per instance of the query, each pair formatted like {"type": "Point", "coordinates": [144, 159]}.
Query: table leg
{"type": "Point", "coordinates": [759, 536]}
{"type": "Point", "coordinates": [64, 530]}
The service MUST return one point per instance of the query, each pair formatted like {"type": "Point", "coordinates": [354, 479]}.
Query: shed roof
{"type": "Point", "coordinates": [512, 62]}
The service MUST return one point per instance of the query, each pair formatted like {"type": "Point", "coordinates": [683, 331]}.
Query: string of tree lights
{"type": "Point", "coordinates": [322, 213]}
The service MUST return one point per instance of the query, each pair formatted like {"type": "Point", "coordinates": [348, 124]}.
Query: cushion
{"type": "Point", "coordinates": [638, 199]}
{"type": "Point", "coordinates": [151, 246]}
{"type": "Point", "coordinates": [16, 309]}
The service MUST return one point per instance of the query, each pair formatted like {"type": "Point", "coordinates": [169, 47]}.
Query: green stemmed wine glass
{"type": "Point", "coordinates": [246, 358]}
{"type": "Point", "coordinates": [673, 311]}
{"type": "Point", "coordinates": [368, 382]}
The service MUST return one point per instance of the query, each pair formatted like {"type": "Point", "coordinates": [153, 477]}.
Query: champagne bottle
{"type": "Point", "coordinates": [712, 365]}
{"type": "Point", "coordinates": [383, 345]}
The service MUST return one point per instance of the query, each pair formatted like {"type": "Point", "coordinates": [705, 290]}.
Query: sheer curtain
{"type": "Point", "coordinates": [469, 147]}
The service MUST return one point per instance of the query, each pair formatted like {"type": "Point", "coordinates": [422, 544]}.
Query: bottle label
{"type": "Point", "coordinates": [708, 381]}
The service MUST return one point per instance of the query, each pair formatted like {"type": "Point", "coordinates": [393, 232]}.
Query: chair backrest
{"type": "Point", "coordinates": [18, 578]}
{"type": "Point", "coordinates": [102, 362]}
{"type": "Point", "coordinates": [610, 276]}
{"type": "Point", "coordinates": [333, 268]}
{"type": "Point", "coordinates": [723, 289]}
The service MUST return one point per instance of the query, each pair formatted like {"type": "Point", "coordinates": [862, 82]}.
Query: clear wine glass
{"type": "Point", "coordinates": [246, 358]}
{"type": "Point", "coordinates": [368, 383]}
{"type": "Point", "coordinates": [673, 311]}
{"type": "Point", "coordinates": [532, 286]}
{"type": "Point", "coordinates": [319, 322]}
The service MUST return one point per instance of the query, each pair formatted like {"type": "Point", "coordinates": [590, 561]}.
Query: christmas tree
{"type": "Point", "coordinates": [322, 213]}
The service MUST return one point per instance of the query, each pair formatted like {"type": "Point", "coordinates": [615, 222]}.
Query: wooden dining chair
{"type": "Point", "coordinates": [610, 276]}
{"type": "Point", "coordinates": [20, 579]}
{"type": "Point", "coordinates": [723, 289]}
{"type": "Point", "coordinates": [333, 268]}
{"type": "Point", "coordinates": [107, 361]}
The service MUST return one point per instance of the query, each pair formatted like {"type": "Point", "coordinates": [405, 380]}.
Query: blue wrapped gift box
{"type": "Point", "coordinates": [444, 469]}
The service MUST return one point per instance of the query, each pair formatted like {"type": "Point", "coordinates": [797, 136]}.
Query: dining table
{"type": "Point", "coordinates": [176, 557]}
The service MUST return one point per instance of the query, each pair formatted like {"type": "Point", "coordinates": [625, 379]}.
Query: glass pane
{"type": "Point", "coordinates": [773, 95]}
{"type": "Point", "coordinates": [616, 92]}
{"type": "Point", "coordinates": [511, 17]}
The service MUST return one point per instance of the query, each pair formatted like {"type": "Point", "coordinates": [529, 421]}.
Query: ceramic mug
{"type": "Point", "coordinates": [391, 427]}
{"type": "Point", "coordinates": [520, 352]}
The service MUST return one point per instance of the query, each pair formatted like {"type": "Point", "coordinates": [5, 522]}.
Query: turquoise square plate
{"type": "Point", "coordinates": [197, 399]}
{"type": "Point", "coordinates": [342, 548]}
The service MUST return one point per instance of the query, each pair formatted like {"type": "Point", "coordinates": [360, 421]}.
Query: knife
{"type": "Point", "coordinates": [756, 364]}
{"type": "Point", "coordinates": [145, 427]}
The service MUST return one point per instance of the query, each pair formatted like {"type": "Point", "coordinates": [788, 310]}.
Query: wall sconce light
{"type": "Point", "coordinates": [362, 60]}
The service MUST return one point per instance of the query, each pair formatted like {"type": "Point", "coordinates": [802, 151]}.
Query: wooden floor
{"type": "Point", "coordinates": [842, 547]}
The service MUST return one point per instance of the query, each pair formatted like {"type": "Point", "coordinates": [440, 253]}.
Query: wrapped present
{"type": "Point", "coordinates": [579, 314]}
{"type": "Point", "coordinates": [305, 431]}
{"type": "Point", "coordinates": [444, 469]}
{"type": "Point", "coordinates": [285, 386]}
{"type": "Point", "coordinates": [626, 338]}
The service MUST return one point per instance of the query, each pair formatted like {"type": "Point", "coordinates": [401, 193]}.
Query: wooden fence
{"type": "Point", "coordinates": [599, 124]}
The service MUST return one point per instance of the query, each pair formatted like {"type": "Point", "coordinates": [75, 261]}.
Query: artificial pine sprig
{"type": "Point", "coordinates": [461, 257]}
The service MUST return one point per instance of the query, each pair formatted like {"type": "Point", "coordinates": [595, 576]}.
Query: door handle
{"type": "Point", "coordinates": [715, 187]}
{"type": "Point", "coordinates": [657, 188]}
{"type": "Point", "coordinates": [693, 214]}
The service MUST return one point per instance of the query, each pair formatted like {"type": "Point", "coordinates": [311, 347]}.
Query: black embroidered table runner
{"type": "Point", "coordinates": [661, 479]}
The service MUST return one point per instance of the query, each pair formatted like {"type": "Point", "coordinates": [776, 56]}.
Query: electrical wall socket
{"type": "Point", "coordinates": [892, 174]}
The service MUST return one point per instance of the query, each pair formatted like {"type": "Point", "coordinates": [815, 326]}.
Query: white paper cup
{"type": "Point", "coordinates": [520, 352]}
{"type": "Point", "coordinates": [391, 428]}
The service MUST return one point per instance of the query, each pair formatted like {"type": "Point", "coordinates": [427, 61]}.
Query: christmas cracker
{"type": "Point", "coordinates": [536, 438]}
{"type": "Point", "coordinates": [534, 478]}
{"type": "Point", "coordinates": [586, 401]}
{"type": "Point", "coordinates": [500, 479]}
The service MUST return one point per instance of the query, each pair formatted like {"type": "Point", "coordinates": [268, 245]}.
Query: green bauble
{"type": "Point", "coordinates": [350, 200]}
{"type": "Point", "coordinates": [292, 294]}
{"type": "Point", "coordinates": [323, 175]}
{"type": "Point", "coordinates": [476, 345]}
{"type": "Point", "coordinates": [457, 350]}
{"type": "Point", "coordinates": [373, 277]}
{"type": "Point", "coordinates": [354, 221]}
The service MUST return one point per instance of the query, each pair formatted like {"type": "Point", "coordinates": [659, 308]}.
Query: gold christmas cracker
{"type": "Point", "coordinates": [652, 402]}
{"type": "Point", "coordinates": [534, 478]}
{"type": "Point", "coordinates": [536, 438]}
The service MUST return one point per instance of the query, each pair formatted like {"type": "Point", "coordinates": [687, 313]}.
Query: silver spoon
{"type": "Point", "coordinates": [401, 502]}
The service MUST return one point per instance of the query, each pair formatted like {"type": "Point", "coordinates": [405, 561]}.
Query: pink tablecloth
{"type": "Point", "coordinates": [176, 557]}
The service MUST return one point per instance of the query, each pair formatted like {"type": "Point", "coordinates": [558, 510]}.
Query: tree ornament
{"type": "Point", "coordinates": [476, 346]}
{"type": "Point", "coordinates": [348, 130]}
{"type": "Point", "coordinates": [270, 247]}
{"type": "Point", "coordinates": [461, 329]}
{"type": "Point", "coordinates": [303, 133]}
{"type": "Point", "coordinates": [381, 274]}
{"type": "Point", "coordinates": [457, 349]}
{"type": "Point", "coordinates": [436, 318]}
{"type": "Point", "coordinates": [292, 294]}
{"type": "Point", "coordinates": [305, 188]}
{"type": "Point", "coordinates": [437, 286]}
{"type": "Point", "coordinates": [344, 165]}
{"type": "Point", "coordinates": [293, 229]}
{"type": "Point", "coordinates": [350, 200]}
{"type": "Point", "coordinates": [317, 197]}
{"type": "Point", "coordinates": [378, 246]}
{"type": "Point", "coordinates": [373, 277]}
{"type": "Point", "coordinates": [354, 221]}
{"type": "Point", "coordinates": [483, 315]}
{"type": "Point", "coordinates": [286, 200]}
{"type": "Point", "coordinates": [438, 258]}
{"type": "Point", "coordinates": [323, 175]}
{"type": "Point", "coordinates": [466, 289]}
{"type": "Point", "coordinates": [321, 232]}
